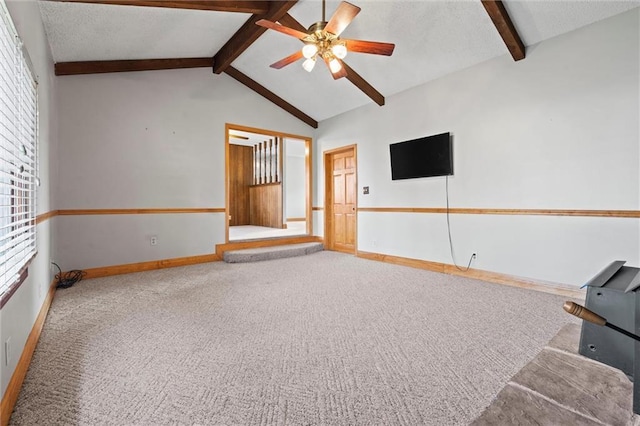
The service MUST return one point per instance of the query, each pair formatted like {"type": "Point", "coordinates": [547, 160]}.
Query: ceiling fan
{"type": "Point", "coordinates": [322, 40]}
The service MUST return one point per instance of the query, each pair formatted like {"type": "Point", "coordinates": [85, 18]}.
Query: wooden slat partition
{"type": "Point", "coordinates": [266, 205]}
{"type": "Point", "coordinates": [268, 162]}
{"type": "Point", "coordinates": [240, 178]}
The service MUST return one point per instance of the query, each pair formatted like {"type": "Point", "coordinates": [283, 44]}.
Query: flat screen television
{"type": "Point", "coordinates": [423, 157]}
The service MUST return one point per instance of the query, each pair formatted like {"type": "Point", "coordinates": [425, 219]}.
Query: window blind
{"type": "Point", "coordinates": [18, 156]}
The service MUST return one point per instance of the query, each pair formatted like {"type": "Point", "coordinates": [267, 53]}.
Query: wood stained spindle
{"type": "Point", "coordinates": [255, 175]}
{"type": "Point", "coordinates": [276, 162]}
{"type": "Point", "coordinates": [270, 160]}
{"type": "Point", "coordinates": [264, 149]}
{"type": "Point", "coordinates": [259, 180]}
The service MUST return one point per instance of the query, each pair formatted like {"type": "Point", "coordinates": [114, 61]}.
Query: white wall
{"type": "Point", "coordinates": [295, 179]}
{"type": "Point", "coordinates": [149, 140]}
{"type": "Point", "coordinates": [558, 130]}
{"type": "Point", "coordinates": [19, 313]}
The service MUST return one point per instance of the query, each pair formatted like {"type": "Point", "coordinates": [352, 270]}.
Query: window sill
{"type": "Point", "coordinates": [24, 273]}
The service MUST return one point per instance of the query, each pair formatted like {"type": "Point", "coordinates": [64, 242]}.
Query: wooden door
{"type": "Point", "coordinates": [341, 200]}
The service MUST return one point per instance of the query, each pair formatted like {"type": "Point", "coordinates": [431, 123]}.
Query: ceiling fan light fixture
{"type": "Point", "coordinates": [339, 50]}
{"type": "Point", "coordinates": [309, 64]}
{"type": "Point", "coordinates": [334, 65]}
{"type": "Point", "coordinates": [309, 50]}
{"type": "Point", "coordinates": [322, 40]}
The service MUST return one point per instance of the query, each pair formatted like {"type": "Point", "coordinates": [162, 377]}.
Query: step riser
{"type": "Point", "coordinates": [271, 253]}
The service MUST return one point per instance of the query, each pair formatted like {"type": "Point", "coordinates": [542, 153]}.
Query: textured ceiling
{"type": "Point", "coordinates": [433, 38]}
{"type": "Point", "coordinates": [94, 32]}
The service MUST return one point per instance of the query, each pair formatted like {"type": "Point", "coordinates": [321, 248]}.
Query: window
{"type": "Point", "coordinates": [18, 158]}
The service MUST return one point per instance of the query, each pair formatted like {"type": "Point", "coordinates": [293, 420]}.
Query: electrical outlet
{"type": "Point", "coordinates": [7, 351]}
{"type": "Point", "coordinates": [154, 240]}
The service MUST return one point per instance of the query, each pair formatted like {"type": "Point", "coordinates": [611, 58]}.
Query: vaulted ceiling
{"type": "Point", "coordinates": [432, 38]}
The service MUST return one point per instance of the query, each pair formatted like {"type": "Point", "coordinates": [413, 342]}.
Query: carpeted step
{"type": "Point", "coordinates": [559, 386]}
{"type": "Point", "coordinates": [269, 253]}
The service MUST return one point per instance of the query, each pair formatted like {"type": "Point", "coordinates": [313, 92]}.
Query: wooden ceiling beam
{"type": "Point", "coordinates": [255, 7]}
{"type": "Point", "coordinates": [505, 27]}
{"type": "Point", "coordinates": [247, 34]}
{"type": "Point", "coordinates": [263, 91]}
{"type": "Point", "coordinates": [291, 22]}
{"type": "Point", "coordinates": [99, 67]}
{"type": "Point", "coordinates": [352, 76]}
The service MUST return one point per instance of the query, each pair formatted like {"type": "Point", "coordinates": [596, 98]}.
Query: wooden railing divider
{"type": "Point", "coordinates": [267, 162]}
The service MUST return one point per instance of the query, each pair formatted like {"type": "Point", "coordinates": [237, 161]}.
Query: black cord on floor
{"type": "Point", "coordinates": [449, 231]}
{"type": "Point", "coordinates": [68, 279]}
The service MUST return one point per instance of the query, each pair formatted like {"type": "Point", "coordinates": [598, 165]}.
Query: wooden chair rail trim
{"type": "Point", "coordinates": [15, 384]}
{"type": "Point", "coordinates": [84, 212]}
{"type": "Point", "coordinates": [87, 212]}
{"type": "Point", "coordinates": [493, 277]}
{"type": "Point", "coordinates": [526, 212]}
{"type": "Point", "coordinates": [46, 216]}
{"type": "Point", "coordinates": [433, 210]}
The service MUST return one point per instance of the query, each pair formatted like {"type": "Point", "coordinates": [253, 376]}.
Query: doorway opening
{"type": "Point", "coordinates": [268, 184]}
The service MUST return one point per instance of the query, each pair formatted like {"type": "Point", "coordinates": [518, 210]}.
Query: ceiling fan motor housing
{"type": "Point", "coordinates": [317, 33]}
{"type": "Point", "coordinates": [324, 40]}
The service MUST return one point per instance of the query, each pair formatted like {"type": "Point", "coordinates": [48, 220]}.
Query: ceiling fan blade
{"type": "Point", "coordinates": [363, 85]}
{"type": "Point", "coordinates": [281, 28]}
{"type": "Point", "coordinates": [342, 72]}
{"type": "Point", "coordinates": [288, 60]}
{"type": "Point", "coordinates": [373, 47]}
{"type": "Point", "coordinates": [342, 17]}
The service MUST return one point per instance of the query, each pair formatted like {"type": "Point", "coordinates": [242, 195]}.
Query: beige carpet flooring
{"type": "Point", "coordinates": [324, 339]}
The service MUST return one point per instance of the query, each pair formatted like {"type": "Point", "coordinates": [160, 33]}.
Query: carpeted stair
{"type": "Point", "coordinates": [269, 253]}
{"type": "Point", "coordinates": [561, 387]}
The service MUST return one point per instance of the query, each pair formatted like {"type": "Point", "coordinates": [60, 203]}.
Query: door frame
{"type": "Point", "coordinates": [329, 243]}
{"type": "Point", "coordinates": [308, 171]}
